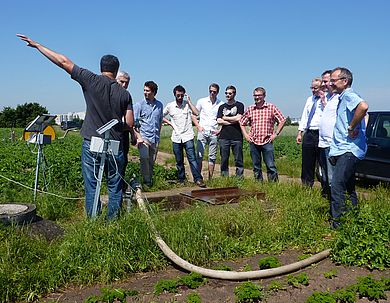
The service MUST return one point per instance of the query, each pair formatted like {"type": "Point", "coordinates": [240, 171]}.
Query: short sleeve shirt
{"type": "Point", "coordinates": [105, 100]}
{"type": "Point", "coordinates": [181, 120]}
{"type": "Point", "coordinates": [233, 131]}
{"type": "Point", "coordinates": [342, 143]}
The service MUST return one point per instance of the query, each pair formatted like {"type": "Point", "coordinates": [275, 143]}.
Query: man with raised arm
{"type": "Point", "coordinates": [105, 100]}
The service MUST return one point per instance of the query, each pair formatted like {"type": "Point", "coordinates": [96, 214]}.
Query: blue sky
{"type": "Point", "coordinates": [280, 45]}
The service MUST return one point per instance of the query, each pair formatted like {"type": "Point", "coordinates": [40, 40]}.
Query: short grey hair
{"type": "Point", "coordinates": [123, 74]}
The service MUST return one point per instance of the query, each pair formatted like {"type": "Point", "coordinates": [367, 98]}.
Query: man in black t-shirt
{"type": "Point", "coordinates": [105, 100]}
{"type": "Point", "coordinates": [229, 115]}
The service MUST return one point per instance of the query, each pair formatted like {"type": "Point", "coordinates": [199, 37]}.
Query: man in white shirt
{"type": "Point", "coordinates": [208, 127]}
{"type": "Point", "coordinates": [327, 123]}
{"type": "Point", "coordinates": [309, 125]}
{"type": "Point", "coordinates": [180, 113]}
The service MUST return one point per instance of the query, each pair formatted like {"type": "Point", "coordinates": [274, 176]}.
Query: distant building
{"type": "Point", "coordinates": [69, 117]}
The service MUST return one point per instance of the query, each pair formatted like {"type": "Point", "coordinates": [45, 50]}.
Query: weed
{"type": "Point", "coordinates": [330, 274]}
{"type": "Point", "coordinates": [223, 267]}
{"type": "Point", "coordinates": [347, 295]}
{"type": "Point", "coordinates": [303, 257]}
{"type": "Point", "coordinates": [370, 288]}
{"type": "Point", "coordinates": [321, 297]}
{"type": "Point", "coordinates": [193, 298]}
{"type": "Point", "coordinates": [247, 267]}
{"type": "Point", "coordinates": [275, 286]}
{"type": "Point", "coordinates": [297, 280]}
{"type": "Point", "coordinates": [269, 262]}
{"type": "Point", "coordinates": [165, 285]}
{"type": "Point", "coordinates": [248, 292]}
{"type": "Point", "coordinates": [192, 280]}
{"type": "Point", "coordinates": [111, 295]}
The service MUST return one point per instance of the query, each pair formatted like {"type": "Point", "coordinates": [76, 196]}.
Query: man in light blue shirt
{"type": "Point", "coordinates": [349, 142]}
{"type": "Point", "coordinates": [148, 116]}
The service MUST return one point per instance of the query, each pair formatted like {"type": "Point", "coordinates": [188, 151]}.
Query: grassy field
{"type": "Point", "coordinates": [96, 251]}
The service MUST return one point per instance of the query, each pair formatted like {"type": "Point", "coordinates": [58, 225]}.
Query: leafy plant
{"type": "Point", "coordinates": [276, 285]}
{"type": "Point", "coordinates": [330, 274]}
{"type": "Point", "coordinates": [347, 295]}
{"type": "Point", "coordinates": [269, 262]}
{"type": "Point", "coordinates": [165, 285]}
{"type": "Point", "coordinates": [192, 280]}
{"type": "Point", "coordinates": [193, 298]}
{"type": "Point", "coordinates": [321, 297]}
{"type": "Point", "coordinates": [109, 295]}
{"type": "Point", "coordinates": [248, 292]}
{"type": "Point", "coordinates": [370, 288]}
{"type": "Point", "coordinates": [247, 267]}
{"type": "Point", "coordinates": [300, 279]}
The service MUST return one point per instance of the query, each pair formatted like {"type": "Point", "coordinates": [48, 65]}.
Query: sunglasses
{"type": "Point", "coordinates": [228, 93]}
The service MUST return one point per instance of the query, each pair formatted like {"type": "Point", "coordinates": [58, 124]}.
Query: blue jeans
{"type": "Point", "coordinates": [343, 182]}
{"type": "Point", "coordinates": [268, 154]}
{"type": "Point", "coordinates": [90, 163]}
{"type": "Point", "coordinates": [236, 146]}
{"type": "Point", "coordinates": [190, 151]}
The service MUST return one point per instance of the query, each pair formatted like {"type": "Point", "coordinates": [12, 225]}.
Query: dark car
{"type": "Point", "coordinates": [376, 164]}
{"type": "Point", "coordinates": [70, 124]}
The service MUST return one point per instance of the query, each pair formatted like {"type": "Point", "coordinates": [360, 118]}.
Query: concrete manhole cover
{"type": "Point", "coordinates": [17, 213]}
{"type": "Point", "coordinates": [12, 209]}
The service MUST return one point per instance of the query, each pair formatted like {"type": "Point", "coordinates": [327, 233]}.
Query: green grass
{"type": "Point", "coordinates": [291, 217]}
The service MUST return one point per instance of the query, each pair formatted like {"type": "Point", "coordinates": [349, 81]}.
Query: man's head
{"type": "Point", "coordinates": [325, 76]}
{"type": "Point", "coordinates": [213, 91]}
{"type": "Point", "coordinates": [230, 93]}
{"type": "Point", "coordinates": [259, 95]}
{"type": "Point", "coordinates": [340, 79]}
{"type": "Point", "coordinates": [150, 90]}
{"type": "Point", "coordinates": [123, 79]}
{"type": "Point", "coordinates": [316, 86]}
{"type": "Point", "coordinates": [179, 93]}
{"type": "Point", "coordinates": [109, 63]}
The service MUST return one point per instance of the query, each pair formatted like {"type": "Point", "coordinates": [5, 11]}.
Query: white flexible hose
{"type": "Point", "coordinates": [222, 274]}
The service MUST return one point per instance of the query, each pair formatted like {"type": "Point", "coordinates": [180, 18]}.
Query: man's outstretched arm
{"type": "Point", "coordinates": [58, 59]}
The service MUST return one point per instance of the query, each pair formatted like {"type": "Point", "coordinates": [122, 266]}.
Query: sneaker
{"type": "Point", "coordinates": [200, 183]}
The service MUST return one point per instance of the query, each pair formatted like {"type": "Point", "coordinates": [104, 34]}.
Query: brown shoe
{"type": "Point", "coordinates": [200, 183]}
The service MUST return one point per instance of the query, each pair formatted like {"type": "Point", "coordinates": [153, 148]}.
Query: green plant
{"type": "Point", "coordinates": [193, 298]}
{"type": "Point", "coordinates": [165, 285]}
{"type": "Point", "coordinates": [275, 286]}
{"type": "Point", "coordinates": [330, 274]}
{"type": "Point", "coordinates": [247, 267]}
{"type": "Point", "coordinates": [109, 295]}
{"type": "Point", "coordinates": [321, 297]}
{"type": "Point", "coordinates": [248, 292]}
{"type": "Point", "coordinates": [363, 239]}
{"type": "Point", "coordinates": [269, 262]}
{"type": "Point", "coordinates": [223, 267]}
{"type": "Point", "coordinates": [303, 257]}
{"type": "Point", "coordinates": [297, 280]}
{"type": "Point", "coordinates": [192, 280]}
{"type": "Point", "coordinates": [347, 295]}
{"type": "Point", "coordinates": [370, 288]}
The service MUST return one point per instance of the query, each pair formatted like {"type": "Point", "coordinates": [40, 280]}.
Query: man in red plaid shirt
{"type": "Point", "coordinates": [262, 117]}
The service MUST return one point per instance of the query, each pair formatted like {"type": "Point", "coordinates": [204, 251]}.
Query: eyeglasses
{"type": "Point", "coordinates": [335, 80]}
{"type": "Point", "coordinates": [213, 92]}
{"type": "Point", "coordinates": [179, 95]}
{"type": "Point", "coordinates": [229, 93]}
{"type": "Point", "coordinates": [258, 95]}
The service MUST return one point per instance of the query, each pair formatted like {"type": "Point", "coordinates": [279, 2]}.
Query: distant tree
{"type": "Point", "coordinates": [21, 115]}
{"type": "Point", "coordinates": [288, 121]}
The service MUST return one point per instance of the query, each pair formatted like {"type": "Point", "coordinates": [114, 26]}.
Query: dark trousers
{"type": "Point", "coordinates": [343, 184]}
{"type": "Point", "coordinates": [236, 146]}
{"type": "Point", "coordinates": [310, 156]}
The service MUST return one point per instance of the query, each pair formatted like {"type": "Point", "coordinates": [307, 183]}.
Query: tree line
{"type": "Point", "coordinates": [22, 115]}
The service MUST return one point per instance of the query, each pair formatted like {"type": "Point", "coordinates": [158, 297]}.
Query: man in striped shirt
{"type": "Point", "coordinates": [262, 117]}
